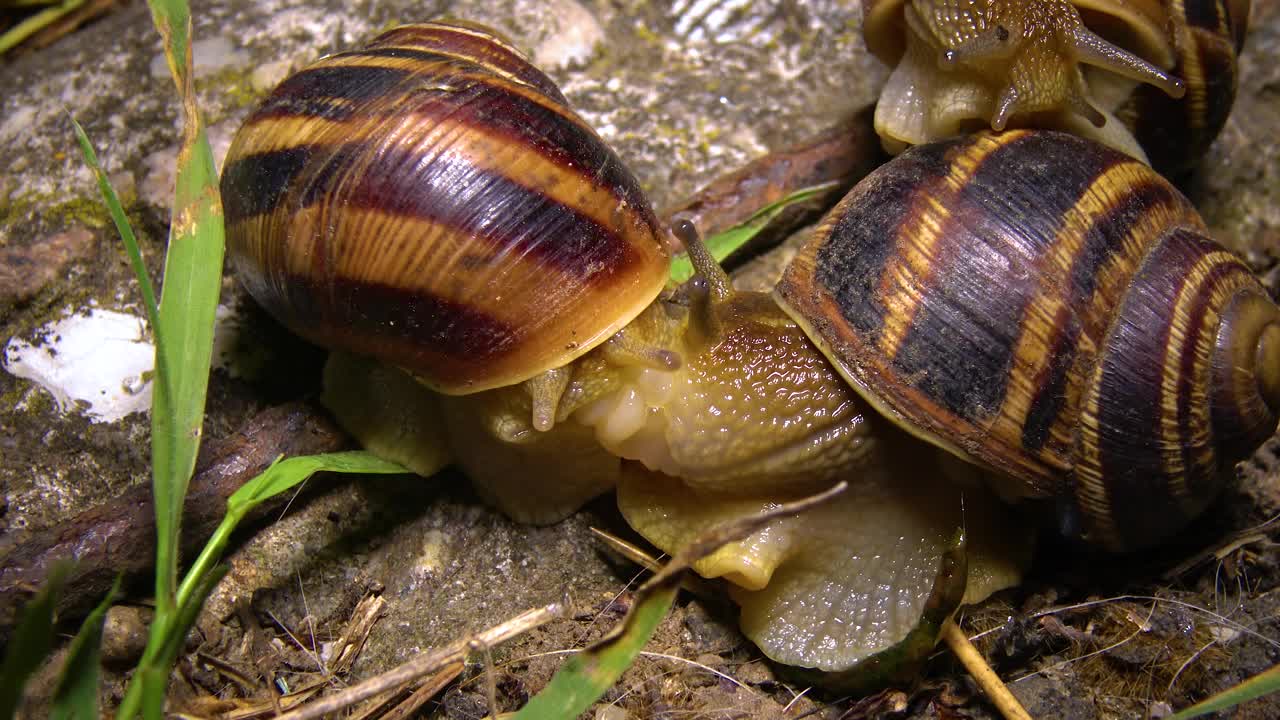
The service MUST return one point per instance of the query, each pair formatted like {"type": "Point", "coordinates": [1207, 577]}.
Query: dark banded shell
{"type": "Point", "coordinates": [1052, 309]}
{"type": "Point", "coordinates": [431, 200]}
{"type": "Point", "coordinates": [1208, 35]}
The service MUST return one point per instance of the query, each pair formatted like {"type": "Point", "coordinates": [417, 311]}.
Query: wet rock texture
{"type": "Point", "coordinates": [684, 91]}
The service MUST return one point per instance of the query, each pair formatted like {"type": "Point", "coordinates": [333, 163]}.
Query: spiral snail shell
{"type": "Point", "coordinates": [431, 199]}
{"type": "Point", "coordinates": [1056, 311]}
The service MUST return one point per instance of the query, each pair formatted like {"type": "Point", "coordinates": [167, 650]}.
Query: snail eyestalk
{"type": "Point", "coordinates": [546, 389]}
{"type": "Point", "coordinates": [718, 284]}
{"type": "Point", "coordinates": [712, 290]}
{"type": "Point", "coordinates": [1093, 50]}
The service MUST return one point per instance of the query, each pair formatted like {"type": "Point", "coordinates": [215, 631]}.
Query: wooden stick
{"type": "Point", "coordinates": [987, 679]}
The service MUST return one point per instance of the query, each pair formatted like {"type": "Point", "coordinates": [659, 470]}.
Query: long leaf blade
{"type": "Point", "coordinates": [31, 642]}
{"type": "Point", "coordinates": [589, 674]}
{"type": "Point", "coordinates": [189, 299]}
{"type": "Point", "coordinates": [76, 697]}
{"type": "Point", "coordinates": [286, 473]}
{"type": "Point", "coordinates": [1264, 683]}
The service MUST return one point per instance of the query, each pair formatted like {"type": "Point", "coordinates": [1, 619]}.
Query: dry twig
{"type": "Point", "coordinates": [426, 663]}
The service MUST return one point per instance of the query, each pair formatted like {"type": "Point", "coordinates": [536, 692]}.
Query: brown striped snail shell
{"type": "Point", "coordinates": [1208, 35]}
{"type": "Point", "coordinates": [1154, 79]}
{"type": "Point", "coordinates": [431, 200]}
{"type": "Point", "coordinates": [1054, 310]}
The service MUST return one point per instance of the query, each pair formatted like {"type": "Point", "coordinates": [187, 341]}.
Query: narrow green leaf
{"type": "Point", "coordinates": [122, 224]}
{"type": "Point", "coordinates": [279, 477]}
{"type": "Point", "coordinates": [80, 684]}
{"type": "Point", "coordinates": [31, 641]}
{"type": "Point", "coordinates": [192, 280]}
{"type": "Point", "coordinates": [184, 343]}
{"type": "Point", "coordinates": [34, 24]}
{"type": "Point", "coordinates": [284, 474]}
{"type": "Point", "coordinates": [173, 19]}
{"type": "Point", "coordinates": [1264, 683]}
{"type": "Point", "coordinates": [589, 674]}
{"type": "Point", "coordinates": [724, 244]}
{"type": "Point", "coordinates": [186, 615]}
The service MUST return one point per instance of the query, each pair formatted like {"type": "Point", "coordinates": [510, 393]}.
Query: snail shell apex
{"type": "Point", "coordinates": [1051, 309]}
{"type": "Point", "coordinates": [432, 201]}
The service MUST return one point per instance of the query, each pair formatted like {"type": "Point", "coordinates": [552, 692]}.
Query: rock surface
{"type": "Point", "coordinates": [683, 91]}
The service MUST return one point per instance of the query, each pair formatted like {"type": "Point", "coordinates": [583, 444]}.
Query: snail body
{"type": "Point", "coordinates": [491, 279]}
{"type": "Point", "coordinates": [1153, 79]}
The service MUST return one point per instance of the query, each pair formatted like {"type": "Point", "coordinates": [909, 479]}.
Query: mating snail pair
{"type": "Point", "coordinates": [1046, 308]}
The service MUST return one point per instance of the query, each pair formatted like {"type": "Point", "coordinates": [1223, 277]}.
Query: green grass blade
{"type": "Point", "coordinates": [146, 690]}
{"type": "Point", "coordinates": [285, 474]}
{"type": "Point", "coordinates": [30, 643]}
{"type": "Point", "coordinates": [589, 674]}
{"type": "Point", "coordinates": [184, 345]}
{"type": "Point", "coordinates": [34, 24]}
{"type": "Point", "coordinates": [280, 477]}
{"type": "Point", "coordinates": [122, 224]}
{"type": "Point", "coordinates": [173, 19]}
{"type": "Point", "coordinates": [80, 684]}
{"type": "Point", "coordinates": [1264, 683]}
{"type": "Point", "coordinates": [188, 611]}
{"type": "Point", "coordinates": [192, 279]}
{"type": "Point", "coordinates": [724, 244]}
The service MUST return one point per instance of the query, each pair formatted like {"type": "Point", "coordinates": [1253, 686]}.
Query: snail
{"type": "Point", "coordinates": [491, 279]}
{"type": "Point", "coordinates": [1060, 64]}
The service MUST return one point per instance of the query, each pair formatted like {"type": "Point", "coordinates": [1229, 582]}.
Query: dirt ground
{"type": "Point", "coordinates": [682, 100]}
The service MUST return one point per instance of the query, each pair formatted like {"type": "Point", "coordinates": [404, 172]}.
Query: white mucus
{"type": "Point", "coordinates": [100, 357]}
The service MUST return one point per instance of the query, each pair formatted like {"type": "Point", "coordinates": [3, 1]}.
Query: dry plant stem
{"type": "Point", "coordinates": [425, 692]}
{"type": "Point", "coordinates": [427, 663]}
{"type": "Point", "coordinates": [987, 679]}
{"type": "Point", "coordinates": [698, 586]}
{"type": "Point", "coordinates": [490, 680]}
{"type": "Point", "coordinates": [727, 532]}
{"type": "Point", "coordinates": [353, 638]}
{"type": "Point", "coordinates": [840, 155]}
{"type": "Point", "coordinates": [1221, 550]}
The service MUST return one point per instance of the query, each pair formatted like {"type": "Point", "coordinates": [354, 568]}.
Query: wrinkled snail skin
{"type": "Point", "coordinates": [1053, 310]}
{"type": "Point", "coordinates": [1162, 98]}
{"type": "Point", "coordinates": [351, 197]}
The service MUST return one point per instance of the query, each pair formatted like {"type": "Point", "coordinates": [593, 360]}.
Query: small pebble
{"type": "Point", "coordinates": [124, 635]}
{"type": "Point", "coordinates": [573, 41]}
{"type": "Point", "coordinates": [25, 271]}
{"type": "Point", "coordinates": [610, 712]}
{"type": "Point", "coordinates": [268, 75]}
